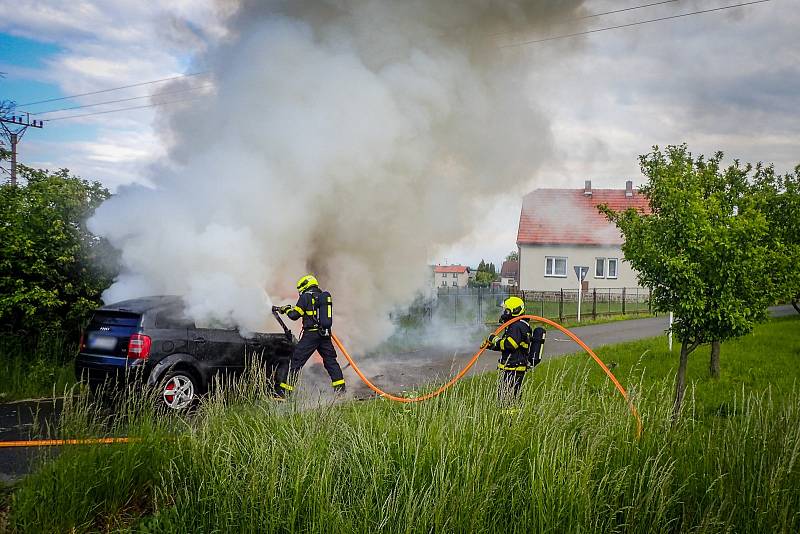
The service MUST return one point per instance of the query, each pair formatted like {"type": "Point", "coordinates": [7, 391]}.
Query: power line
{"type": "Point", "coordinates": [567, 36]}
{"type": "Point", "coordinates": [523, 43]}
{"type": "Point", "coordinates": [601, 14]}
{"type": "Point", "coordinates": [123, 109]}
{"type": "Point", "coordinates": [206, 72]}
{"type": "Point", "coordinates": [114, 88]}
{"type": "Point", "coordinates": [123, 100]}
{"type": "Point", "coordinates": [626, 9]}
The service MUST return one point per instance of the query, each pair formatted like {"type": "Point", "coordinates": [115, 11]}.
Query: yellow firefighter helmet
{"type": "Point", "coordinates": [306, 282]}
{"type": "Point", "coordinates": [515, 305]}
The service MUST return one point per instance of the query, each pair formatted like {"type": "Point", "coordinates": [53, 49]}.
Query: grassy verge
{"type": "Point", "coordinates": [565, 460]}
{"type": "Point", "coordinates": [586, 320]}
{"type": "Point", "coordinates": [39, 369]}
{"type": "Point", "coordinates": [5, 500]}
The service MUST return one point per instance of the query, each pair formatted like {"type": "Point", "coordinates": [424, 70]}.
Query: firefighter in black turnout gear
{"type": "Point", "coordinates": [315, 307]}
{"type": "Point", "coordinates": [521, 348]}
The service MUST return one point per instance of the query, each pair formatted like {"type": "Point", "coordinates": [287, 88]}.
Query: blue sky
{"type": "Point", "coordinates": [50, 49]}
{"type": "Point", "coordinates": [21, 58]}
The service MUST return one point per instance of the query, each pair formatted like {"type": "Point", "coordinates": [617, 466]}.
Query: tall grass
{"type": "Point", "coordinates": [565, 460]}
{"type": "Point", "coordinates": [35, 367]}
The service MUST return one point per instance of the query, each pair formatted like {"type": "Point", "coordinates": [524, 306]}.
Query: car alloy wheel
{"type": "Point", "coordinates": [178, 391]}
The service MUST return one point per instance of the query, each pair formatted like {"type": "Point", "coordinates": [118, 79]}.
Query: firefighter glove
{"type": "Point", "coordinates": [285, 309]}
{"type": "Point", "coordinates": [490, 340]}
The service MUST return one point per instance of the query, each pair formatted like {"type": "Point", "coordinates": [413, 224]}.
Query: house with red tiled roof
{"type": "Point", "coordinates": [451, 275]}
{"type": "Point", "coordinates": [562, 228]}
{"type": "Point", "coordinates": [509, 273]}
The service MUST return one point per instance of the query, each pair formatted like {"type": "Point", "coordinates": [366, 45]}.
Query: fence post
{"type": "Point", "coordinates": [455, 309]}
{"type": "Point", "coordinates": [478, 307]}
{"type": "Point", "coordinates": [623, 301]}
{"type": "Point", "coordinates": [561, 307]}
{"type": "Point", "coordinates": [594, 303]}
{"type": "Point", "coordinates": [650, 303]}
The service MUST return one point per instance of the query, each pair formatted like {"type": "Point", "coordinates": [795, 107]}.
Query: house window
{"type": "Point", "coordinates": [455, 284]}
{"type": "Point", "coordinates": [455, 275]}
{"type": "Point", "coordinates": [599, 267]}
{"type": "Point", "coordinates": [555, 266]}
{"type": "Point", "coordinates": [612, 267]}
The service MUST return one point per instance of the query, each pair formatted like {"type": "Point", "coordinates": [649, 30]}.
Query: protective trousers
{"type": "Point", "coordinates": [510, 382]}
{"type": "Point", "coordinates": [310, 342]}
{"type": "Point", "coordinates": [279, 370]}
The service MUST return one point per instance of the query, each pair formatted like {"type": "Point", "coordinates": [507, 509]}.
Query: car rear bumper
{"type": "Point", "coordinates": [98, 368]}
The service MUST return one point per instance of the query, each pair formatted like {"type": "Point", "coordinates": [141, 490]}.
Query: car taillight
{"type": "Point", "coordinates": [139, 347]}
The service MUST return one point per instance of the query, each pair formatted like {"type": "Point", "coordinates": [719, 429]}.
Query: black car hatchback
{"type": "Point", "coordinates": [150, 340]}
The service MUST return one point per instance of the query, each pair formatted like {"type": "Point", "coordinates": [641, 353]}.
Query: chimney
{"type": "Point", "coordinates": [587, 188]}
{"type": "Point", "coordinates": [629, 189]}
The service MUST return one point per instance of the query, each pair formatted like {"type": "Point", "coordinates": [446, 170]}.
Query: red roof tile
{"type": "Point", "coordinates": [450, 269]}
{"type": "Point", "coordinates": [568, 217]}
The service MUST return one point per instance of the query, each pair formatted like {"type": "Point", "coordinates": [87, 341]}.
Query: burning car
{"type": "Point", "coordinates": [151, 341]}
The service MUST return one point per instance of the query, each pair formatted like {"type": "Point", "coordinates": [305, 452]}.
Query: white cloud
{"type": "Point", "coordinates": [725, 81]}
{"type": "Point", "coordinates": [108, 44]}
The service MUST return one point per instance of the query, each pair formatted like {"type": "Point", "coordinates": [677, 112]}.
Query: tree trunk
{"type": "Point", "coordinates": [680, 381]}
{"type": "Point", "coordinates": [713, 366]}
{"type": "Point", "coordinates": [796, 303]}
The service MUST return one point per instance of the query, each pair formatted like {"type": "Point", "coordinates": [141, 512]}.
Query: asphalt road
{"type": "Point", "coordinates": [410, 370]}
{"type": "Point", "coordinates": [22, 421]}
{"type": "Point", "coordinates": [407, 371]}
{"type": "Point", "coordinates": [395, 373]}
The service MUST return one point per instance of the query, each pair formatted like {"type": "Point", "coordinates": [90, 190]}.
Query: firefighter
{"type": "Point", "coordinates": [315, 307]}
{"type": "Point", "coordinates": [520, 348]}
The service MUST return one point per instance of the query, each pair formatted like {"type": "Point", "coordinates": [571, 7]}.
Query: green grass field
{"type": "Point", "coordinates": [566, 460]}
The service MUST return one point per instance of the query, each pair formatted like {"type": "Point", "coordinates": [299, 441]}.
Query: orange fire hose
{"type": "Point", "coordinates": [376, 389]}
{"type": "Point", "coordinates": [477, 355]}
{"type": "Point", "coordinates": [58, 442]}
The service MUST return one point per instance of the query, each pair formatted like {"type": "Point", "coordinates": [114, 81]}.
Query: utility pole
{"type": "Point", "coordinates": [14, 128]}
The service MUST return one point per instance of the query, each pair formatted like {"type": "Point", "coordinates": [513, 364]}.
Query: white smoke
{"type": "Point", "coordinates": [349, 138]}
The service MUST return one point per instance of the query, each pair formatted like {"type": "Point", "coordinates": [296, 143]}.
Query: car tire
{"type": "Point", "coordinates": [179, 390]}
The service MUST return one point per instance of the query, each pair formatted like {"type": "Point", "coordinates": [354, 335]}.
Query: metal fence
{"type": "Point", "coordinates": [463, 306]}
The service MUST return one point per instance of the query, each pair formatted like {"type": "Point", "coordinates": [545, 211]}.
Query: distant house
{"type": "Point", "coordinates": [561, 228]}
{"type": "Point", "coordinates": [451, 275]}
{"type": "Point", "coordinates": [509, 273]}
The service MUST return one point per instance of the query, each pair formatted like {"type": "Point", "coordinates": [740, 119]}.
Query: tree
{"type": "Point", "coordinates": [702, 251]}
{"type": "Point", "coordinates": [512, 256]}
{"type": "Point", "coordinates": [52, 269]}
{"type": "Point", "coordinates": [778, 197]}
{"type": "Point", "coordinates": [484, 275]}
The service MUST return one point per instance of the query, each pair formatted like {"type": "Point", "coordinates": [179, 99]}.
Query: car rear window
{"type": "Point", "coordinates": [111, 318]}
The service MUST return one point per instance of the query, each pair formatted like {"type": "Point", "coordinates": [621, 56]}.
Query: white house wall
{"type": "Point", "coordinates": [461, 279]}
{"type": "Point", "coordinates": [532, 267]}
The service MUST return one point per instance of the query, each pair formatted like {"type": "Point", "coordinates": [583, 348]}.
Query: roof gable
{"type": "Point", "coordinates": [569, 217]}
{"type": "Point", "coordinates": [509, 269]}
